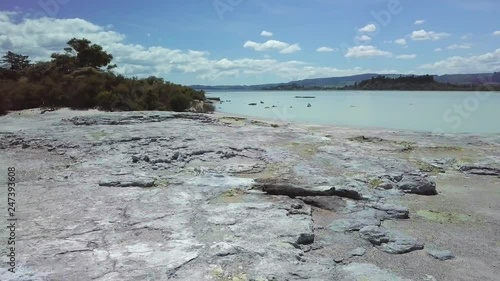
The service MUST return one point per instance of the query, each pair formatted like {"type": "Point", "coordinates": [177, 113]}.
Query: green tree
{"type": "Point", "coordinates": [15, 62]}
{"type": "Point", "coordinates": [82, 53]}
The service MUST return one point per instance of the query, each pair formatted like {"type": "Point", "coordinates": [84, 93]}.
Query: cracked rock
{"type": "Point", "coordinates": [390, 242]}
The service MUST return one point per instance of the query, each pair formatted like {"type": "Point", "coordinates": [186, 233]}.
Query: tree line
{"type": "Point", "coordinates": [82, 77]}
{"type": "Point", "coordinates": [416, 83]}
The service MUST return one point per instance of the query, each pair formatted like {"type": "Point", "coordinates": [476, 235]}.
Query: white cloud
{"type": "Point", "coordinates": [419, 22]}
{"type": "Point", "coordinates": [438, 50]}
{"type": "Point", "coordinates": [266, 33]}
{"type": "Point", "coordinates": [325, 49]}
{"type": "Point", "coordinates": [363, 38]}
{"type": "Point", "coordinates": [489, 62]}
{"type": "Point", "coordinates": [291, 49]}
{"type": "Point", "coordinates": [431, 35]}
{"type": "Point", "coordinates": [466, 36]}
{"type": "Point", "coordinates": [406, 57]}
{"type": "Point", "coordinates": [368, 28]}
{"type": "Point", "coordinates": [496, 33]}
{"type": "Point", "coordinates": [456, 46]}
{"type": "Point", "coordinates": [283, 47]}
{"type": "Point", "coordinates": [366, 51]}
{"type": "Point", "coordinates": [401, 42]}
{"type": "Point", "coordinates": [38, 38]}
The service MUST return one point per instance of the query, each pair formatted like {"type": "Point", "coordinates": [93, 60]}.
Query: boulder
{"type": "Point", "coordinates": [417, 184]}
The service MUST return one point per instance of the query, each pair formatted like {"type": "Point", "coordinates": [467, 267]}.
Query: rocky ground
{"type": "Point", "coordinates": [165, 196]}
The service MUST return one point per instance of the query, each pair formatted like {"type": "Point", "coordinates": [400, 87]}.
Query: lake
{"type": "Point", "coordinates": [450, 112]}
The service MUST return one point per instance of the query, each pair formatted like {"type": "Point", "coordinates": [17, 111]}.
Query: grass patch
{"type": "Point", "coordinates": [219, 275]}
{"type": "Point", "coordinates": [407, 146]}
{"type": "Point", "coordinates": [429, 168]}
{"type": "Point", "coordinates": [305, 150]}
{"type": "Point", "coordinates": [444, 217]}
{"type": "Point", "coordinates": [229, 196]}
{"type": "Point", "coordinates": [374, 183]}
{"type": "Point", "coordinates": [97, 136]}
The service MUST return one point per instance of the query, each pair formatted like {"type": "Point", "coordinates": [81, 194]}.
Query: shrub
{"type": "Point", "coordinates": [180, 103]}
{"type": "Point", "coordinates": [208, 107]}
{"type": "Point", "coordinates": [3, 105]}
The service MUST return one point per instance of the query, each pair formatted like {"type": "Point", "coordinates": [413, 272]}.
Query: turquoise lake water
{"type": "Point", "coordinates": [450, 112]}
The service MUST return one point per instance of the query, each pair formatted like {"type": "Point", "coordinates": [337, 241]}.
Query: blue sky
{"type": "Point", "coordinates": [262, 41]}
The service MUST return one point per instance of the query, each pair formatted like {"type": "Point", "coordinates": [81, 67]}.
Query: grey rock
{"type": "Point", "coordinates": [358, 252]}
{"type": "Point", "coordinates": [376, 235]}
{"type": "Point", "coordinates": [400, 244]}
{"type": "Point", "coordinates": [392, 211]}
{"type": "Point", "coordinates": [390, 242]}
{"type": "Point", "coordinates": [366, 271]}
{"type": "Point", "coordinates": [442, 255]}
{"type": "Point", "coordinates": [223, 249]}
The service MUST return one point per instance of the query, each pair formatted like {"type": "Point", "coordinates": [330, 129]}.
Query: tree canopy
{"type": "Point", "coordinates": [14, 62]}
{"type": "Point", "coordinates": [82, 53]}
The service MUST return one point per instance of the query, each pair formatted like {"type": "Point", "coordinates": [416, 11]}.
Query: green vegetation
{"type": "Point", "coordinates": [82, 78]}
{"type": "Point", "coordinates": [374, 183]}
{"type": "Point", "coordinates": [444, 217]}
{"type": "Point", "coordinates": [472, 82]}
{"type": "Point", "coordinates": [415, 83]}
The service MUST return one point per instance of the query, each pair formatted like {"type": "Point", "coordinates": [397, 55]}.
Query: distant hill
{"type": "Point", "coordinates": [339, 82]}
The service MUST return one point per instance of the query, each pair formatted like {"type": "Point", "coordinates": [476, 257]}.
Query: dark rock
{"type": "Point", "coordinates": [480, 170]}
{"type": "Point", "coordinates": [155, 161]}
{"type": "Point", "coordinates": [305, 239]}
{"type": "Point", "coordinates": [417, 184]}
{"type": "Point", "coordinates": [130, 182]}
{"type": "Point", "coordinates": [326, 203]}
{"type": "Point", "coordinates": [296, 191]}
{"type": "Point", "coordinates": [25, 145]}
{"type": "Point", "coordinates": [135, 159]}
{"type": "Point", "coordinates": [146, 158]}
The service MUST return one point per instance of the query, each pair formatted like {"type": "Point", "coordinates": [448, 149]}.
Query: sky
{"type": "Point", "coordinates": [243, 42]}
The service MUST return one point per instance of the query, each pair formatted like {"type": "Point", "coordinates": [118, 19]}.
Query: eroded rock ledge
{"type": "Point", "coordinates": [165, 196]}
